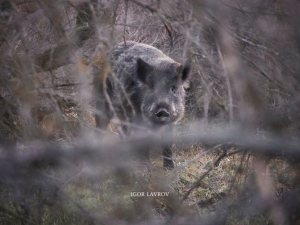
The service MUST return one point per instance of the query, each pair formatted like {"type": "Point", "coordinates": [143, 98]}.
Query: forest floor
{"type": "Point", "coordinates": [108, 193]}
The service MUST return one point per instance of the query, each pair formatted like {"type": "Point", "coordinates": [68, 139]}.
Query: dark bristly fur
{"type": "Point", "coordinates": [147, 89]}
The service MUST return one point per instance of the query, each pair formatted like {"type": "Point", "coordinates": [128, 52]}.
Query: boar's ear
{"type": "Point", "coordinates": [185, 74]}
{"type": "Point", "coordinates": [143, 69]}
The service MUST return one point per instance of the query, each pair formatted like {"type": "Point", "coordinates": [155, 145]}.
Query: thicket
{"type": "Point", "coordinates": [237, 148]}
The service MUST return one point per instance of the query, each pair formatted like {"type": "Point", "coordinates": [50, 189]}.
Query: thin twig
{"type": "Point", "coordinates": [198, 182]}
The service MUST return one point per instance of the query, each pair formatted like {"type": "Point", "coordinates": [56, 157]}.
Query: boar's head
{"type": "Point", "coordinates": [163, 92]}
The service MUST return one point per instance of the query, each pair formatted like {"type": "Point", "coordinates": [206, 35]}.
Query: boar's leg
{"type": "Point", "coordinates": [167, 151]}
{"type": "Point", "coordinates": [103, 115]}
{"type": "Point", "coordinates": [167, 154]}
{"type": "Point", "coordinates": [125, 115]}
{"type": "Point", "coordinates": [103, 112]}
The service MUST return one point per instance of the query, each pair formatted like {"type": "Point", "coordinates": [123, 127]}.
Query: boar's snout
{"type": "Point", "coordinates": [162, 116]}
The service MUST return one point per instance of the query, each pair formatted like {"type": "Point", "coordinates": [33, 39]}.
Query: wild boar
{"type": "Point", "coordinates": [146, 88]}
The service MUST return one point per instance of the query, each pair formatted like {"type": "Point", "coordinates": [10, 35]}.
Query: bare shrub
{"type": "Point", "coordinates": [237, 148]}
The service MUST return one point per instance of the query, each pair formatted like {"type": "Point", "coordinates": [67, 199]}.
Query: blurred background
{"type": "Point", "coordinates": [236, 151]}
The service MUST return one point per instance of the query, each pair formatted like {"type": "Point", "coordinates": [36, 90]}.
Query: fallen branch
{"type": "Point", "coordinates": [198, 182]}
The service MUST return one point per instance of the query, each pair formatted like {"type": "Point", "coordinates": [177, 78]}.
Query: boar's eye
{"type": "Point", "coordinates": [173, 89]}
